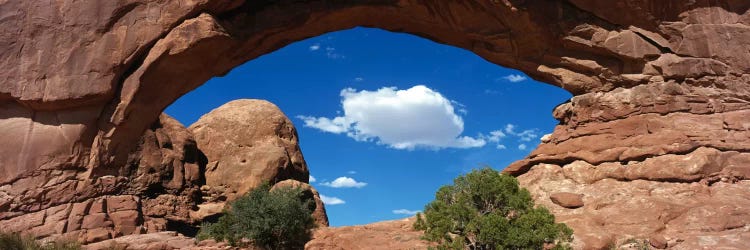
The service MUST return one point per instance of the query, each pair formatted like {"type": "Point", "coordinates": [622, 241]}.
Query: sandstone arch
{"type": "Point", "coordinates": [653, 81]}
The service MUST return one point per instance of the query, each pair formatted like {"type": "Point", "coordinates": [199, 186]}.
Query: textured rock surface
{"type": "Point", "coordinates": [247, 142]}
{"type": "Point", "coordinates": [395, 234]}
{"type": "Point", "coordinates": [654, 83]}
{"type": "Point", "coordinates": [567, 200]}
{"type": "Point", "coordinates": [244, 144]}
{"type": "Point", "coordinates": [158, 241]}
{"type": "Point", "coordinates": [155, 191]}
{"type": "Point", "coordinates": [319, 214]}
{"type": "Point", "coordinates": [162, 187]}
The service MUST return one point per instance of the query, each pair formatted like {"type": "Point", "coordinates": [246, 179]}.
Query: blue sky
{"type": "Point", "coordinates": [385, 119]}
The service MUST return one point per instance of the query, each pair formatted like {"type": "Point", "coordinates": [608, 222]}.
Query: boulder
{"type": "Point", "coordinates": [246, 143]}
{"type": "Point", "coordinates": [567, 200]}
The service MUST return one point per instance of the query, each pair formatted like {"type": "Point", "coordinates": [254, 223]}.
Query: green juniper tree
{"type": "Point", "coordinates": [275, 219]}
{"type": "Point", "coordinates": [488, 210]}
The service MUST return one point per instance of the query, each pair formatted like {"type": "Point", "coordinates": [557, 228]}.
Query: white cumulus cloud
{"type": "Point", "coordinates": [521, 146]}
{"type": "Point", "coordinates": [331, 200]}
{"type": "Point", "coordinates": [406, 211]}
{"type": "Point", "coordinates": [344, 182]}
{"type": "Point", "coordinates": [514, 78]}
{"type": "Point", "coordinates": [501, 146]}
{"type": "Point", "coordinates": [312, 179]}
{"type": "Point", "coordinates": [401, 119]}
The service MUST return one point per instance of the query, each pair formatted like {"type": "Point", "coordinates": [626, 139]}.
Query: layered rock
{"type": "Point", "coordinates": [653, 81]}
{"type": "Point", "coordinates": [161, 241]}
{"type": "Point", "coordinates": [154, 192]}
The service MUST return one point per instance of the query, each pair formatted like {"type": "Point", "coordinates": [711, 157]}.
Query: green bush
{"type": "Point", "coordinates": [278, 219]}
{"type": "Point", "coordinates": [488, 210]}
{"type": "Point", "coordinates": [15, 241]}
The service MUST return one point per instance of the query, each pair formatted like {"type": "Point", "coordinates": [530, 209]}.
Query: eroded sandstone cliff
{"type": "Point", "coordinates": [661, 97]}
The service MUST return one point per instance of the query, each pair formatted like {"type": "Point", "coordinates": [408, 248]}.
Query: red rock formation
{"type": "Point", "coordinates": [160, 241]}
{"type": "Point", "coordinates": [395, 234]}
{"type": "Point", "coordinates": [657, 85]}
{"type": "Point", "coordinates": [248, 142]}
{"type": "Point", "coordinates": [157, 186]}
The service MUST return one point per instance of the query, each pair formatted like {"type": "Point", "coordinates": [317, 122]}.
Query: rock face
{"type": "Point", "coordinates": [161, 241]}
{"type": "Point", "coordinates": [162, 186]}
{"type": "Point", "coordinates": [247, 142]}
{"type": "Point", "coordinates": [661, 98]}
{"type": "Point", "coordinates": [396, 234]}
{"type": "Point", "coordinates": [165, 171]}
{"type": "Point", "coordinates": [155, 191]}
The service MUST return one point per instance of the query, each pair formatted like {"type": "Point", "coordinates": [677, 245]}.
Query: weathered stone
{"type": "Point", "coordinates": [657, 84]}
{"type": "Point", "coordinates": [246, 143]}
{"type": "Point", "coordinates": [97, 220]}
{"type": "Point", "coordinates": [657, 241]}
{"type": "Point", "coordinates": [121, 203]}
{"type": "Point", "coordinates": [161, 241]}
{"type": "Point", "coordinates": [567, 200]}
{"type": "Point", "coordinates": [97, 234]}
{"type": "Point", "coordinates": [395, 234]}
{"type": "Point", "coordinates": [126, 222]}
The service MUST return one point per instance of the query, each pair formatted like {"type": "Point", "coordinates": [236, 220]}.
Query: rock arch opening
{"type": "Point", "coordinates": [654, 85]}
{"type": "Point", "coordinates": [444, 110]}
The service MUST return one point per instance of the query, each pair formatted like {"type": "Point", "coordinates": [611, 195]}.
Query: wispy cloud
{"type": "Point", "coordinates": [315, 47]}
{"type": "Point", "coordinates": [312, 179]}
{"type": "Point", "coordinates": [331, 200]}
{"type": "Point", "coordinates": [495, 136]}
{"type": "Point", "coordinates": [358, 79]}
{"type": "Point", "coordinates": [352, 172]}
{"type": "Point", "coordinates": [510, 131]}
{"type": "Point", "coordinates": [525, 135]}
{"type": "Point", "coordinates": [514, 78]}
{"type": "Point", "coordinates": [344, 182]}
{"type": "Point", "coordinates": [332, 54]}
{"type": "Point", "coordinates": [406, 211]}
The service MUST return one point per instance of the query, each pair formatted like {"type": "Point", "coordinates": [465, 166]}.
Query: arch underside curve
{"type": "Point", "coordinates": [661, 94]}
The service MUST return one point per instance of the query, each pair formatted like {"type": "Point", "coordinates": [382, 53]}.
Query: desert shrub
{"type": "Point", "coordinates": [488, 210]}
{"type": "Point", "coordinates": [278, 219]}
{"type": "Point", "coordinates": [16, 241]}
